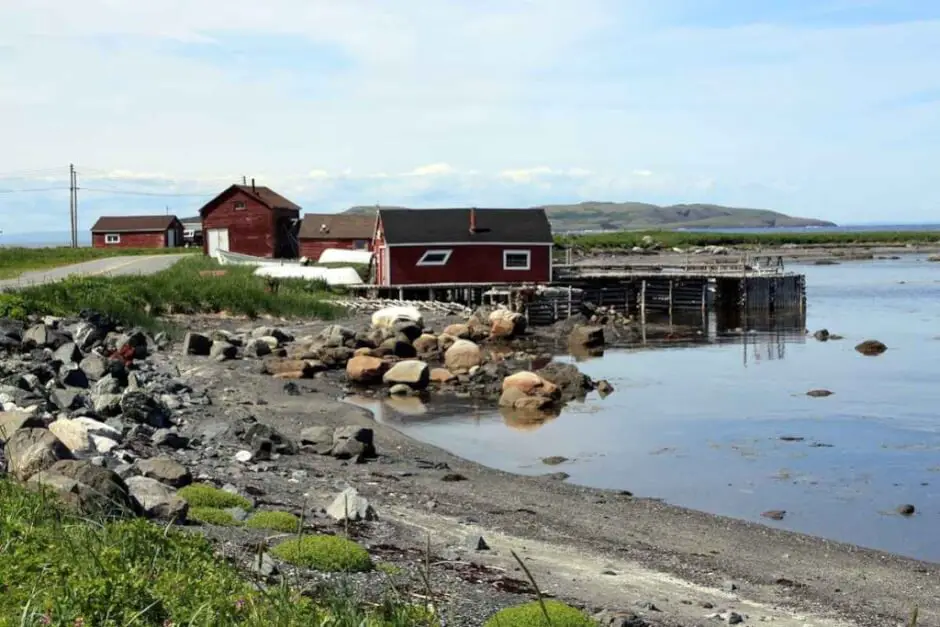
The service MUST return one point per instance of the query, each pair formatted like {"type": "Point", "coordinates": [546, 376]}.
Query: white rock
{"type": "Point", "coordinates": [103, 444]}
{"type": "Point", "coordinates": [350, 506]}
{"type": "Point", "coordinates": [386, 318]}
{"type": "Point", "coordinates": [243, 456]}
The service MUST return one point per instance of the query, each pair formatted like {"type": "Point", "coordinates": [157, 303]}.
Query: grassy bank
{"type": "Point", "coordinates": [194, 285]}
{"type": "Point", "coordinates": [62, 570]}
{"type": "Point", "coordinates": [15, 261]}
{"type": "Point", "coordinates": [670, 239]}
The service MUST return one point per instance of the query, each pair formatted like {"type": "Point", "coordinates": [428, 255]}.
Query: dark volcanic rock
{"type": "Point", "coordinates": [353, 442]}
{"type": "Point", "coordinates": [822, 335]}
{"type": "Point", "coordinates": [871, 348]}
{"type": "Point", "coordinates": [196, 344]}
{"type": "Point", "coordinates": [262, 437]}
{"type": "Point", "coordinates": [140, 408]}
{"type": "Point", "coordinates": [906, 509]}
{"type": "Point", "coordinates": [570, 381]}
{"type": "Point", "coordinates": [819, 393]}
{"type": "Point", "coordinates": [165, 470]}
{"type": "Point", "coordinates": [774, 514]}
{"type": "Point", "coordinates": [93, 489]}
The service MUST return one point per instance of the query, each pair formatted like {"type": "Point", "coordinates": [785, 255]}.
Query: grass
{"type": "Point", "coordinates": [670, 239]}
{"type": "Point", "coordinates": [213, 516]}
{"type": "Point", "coordinates": [17, 260]}
{"type": "Point", "coordinates": [533, 614]}
{"type": "Point", "coordinates": [324, 553]}
{"type": "Point", "coordinates": [61, 570]}
{"type": "Point", "coordinates": [274, 521]}
{"type": "Point", "coordinates": [201, 495]}
{"type": "Point", "coordinates": [190, 286]}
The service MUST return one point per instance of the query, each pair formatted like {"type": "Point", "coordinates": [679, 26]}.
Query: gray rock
{"type": "Point", "coordinates": [68, 400]}
{"type": "Point", "coordinates": [400, 389]}
{"type": "Point", "coordinates": [237, 513]}
{"type": "Point", "coordinates": [587, 336]}
{"type": "Point", "coordinates": [169, 439]}
{"type": "Point", "coordinates": [353, 442]}
{"type": "Point", "coordinates": [94, 490]}
{"type": "Point", "coordinates": [281, 336]}
{"type": "Point", "coordinates": [140, 408]}
{"type": "Point", "coordinates": [85, 335]}
{"type": "Point", "coordinates": [68, 353]}
{"type": "Point", "coordinates": [350, 506]}
{"type": "Point", "coordinates": [196, 344]}
{"type": "Point", "coordinates": [263, 437]}
{"type": "Point", "coordinates": [822, 335]}
{"type": "Point", "coordinates": [106, 385]}
{"type": "Point", "coordinates": [319, 438]}
{"type": "Point", "coordinates": [95, 367]}
{"type": "Point", "coordinates": [29, 451]}
{"type": "Point", "coordinates": [156, 499]}
{"type": "Point", "coordinates": [223, 351]}
{"type": "Point", "coordinates": [165, 470]}
{"type": "Point", "coordinates": [257, 347]}
{"type": "Point", "coordinates": [73, 377]}
{"type": "Point", "coordinates": [107, 405]}
{"type": "Point", "coordinates": [335, 336]}
{"type": "Point", "coordinates": [398, 348]}
{"type": "Point", "coordinates": [409, 331]}
{"type": "Point", "coordinates": [13, 421]}
{"type": "Point", "coordinates": [263, 565]}
{"type": "Point", "coordinates": [38, 336]}
{"type": "Point", "coordinates": [735, 619]}
{"type": "Point", "coordinates": [412, 372]}
{"type": "Point", "coordinates": [477, 543]}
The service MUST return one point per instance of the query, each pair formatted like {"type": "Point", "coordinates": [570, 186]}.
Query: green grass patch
{"type": "Point", "coordinates": [325, 553]}
{"type": "Point", "coordinates": [63, 570]}
{"type": "Point", "coordinates": [193, 285]}
{"type": "Point", "coordinates": [532, 615]}
{"type": "Point", "coordinates": [275, 521]}
{"type": "Point", "coordinates": [17, 260]}
{"type": "Point", "coordinates": [212, 516]}
{"type": "Point", "coordinates": [207, 496]}
{"type": "Point", "coordinates": [670, 239]}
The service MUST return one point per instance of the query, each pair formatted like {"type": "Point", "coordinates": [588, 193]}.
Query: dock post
{"type": "Point", "coordinates": [401, 294]}
{"type": "Point", "coordinates": [670, 301]}
{"type": "Point", "coordinates": [569, 301]}
{"type": "Point", "coordinates": [704, 295]}
{"type": "Point", "coordinates": [643, 302]}
{"type": "Point", "coordinates": [431, 294]}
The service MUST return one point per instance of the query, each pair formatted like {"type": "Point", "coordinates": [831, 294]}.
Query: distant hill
{"type": "Point", "coordinates": [622, 216]}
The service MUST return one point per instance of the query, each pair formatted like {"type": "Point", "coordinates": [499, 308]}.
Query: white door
{"type": "Point", "coordinates": [171, 238]}
{"type": "Point", "coordinates": [218, 240]}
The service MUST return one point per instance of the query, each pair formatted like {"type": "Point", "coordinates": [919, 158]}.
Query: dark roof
{"type": "Point", "coordinates": [265, 195]}
{"type": "Point", "coordinates": [192, 220]}
{"type": "Point", "coordinates": [338, 226]}
{"type": "Point", "coordinates": [428, 226]}
{"type": "Point", "coordinates": [127, 224]}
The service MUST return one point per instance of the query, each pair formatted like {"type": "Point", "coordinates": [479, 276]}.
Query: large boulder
{"type": "Point", "coordinates": [68, 353]}
{"type": "Point", "coordinates": [352, 442]}
{"type": "Point", "coordinates": [13, 421]}
{"type": "Point", "coordinates": [95, 367]}
{"type": "Point", "coordinates": [288, 368]}
{"type": "Point", "coordinates": [156, 499]}
{"type": "Point", "coordinates": [571, 382]}
{"type": "Point", "coordinates": [531, 384]}
{"type": "Point", "coordinates": [335, 335]}
{"type": "Point", "coordinates": [348, 505]}
{"type": "Point", "coordinates": [442, 375]}
{"type": "Point", "coordinates": [462, 356]}
{"type": "Point", "coordinates": [140, 408]}
{"type": "Point", "coordinates": [458, 331]}
{"type": "Point", "coordinates": [412, 372]}
{"type": "Point", "coordinates": [586, 336]}
{"type": "Point", "coordinates": [196, 344]}
{"type": "Point", "coordinates": [165, 470]}
{"type": "Point", "coordinates": [365, 369]}
{"type": "Point", "coordinates": [399, 347]}
{"type": "Point", "coordinates": [388, 317]}
{"type": "Point", "coordinates": [426, 344]}
{"type": "Point", "coordinates": [83, 435]}
{"type": "Point", "coordinates": [29, 451]}
{"type": "Point", "coordinates": [91, 489]}
{"type": "Point", "coordinates": [505, 323]}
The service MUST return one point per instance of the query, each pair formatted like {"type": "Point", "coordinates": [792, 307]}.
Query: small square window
{"type": "Point", "coordinates": [434, 257]}
{"type": "Point", "coordinates": [360, 244]}
{"type": "Point", "coordinates": [112, 238]}
{"type": "Point", "coordinates": [239, 205]}
{"type": "Point", "coordinates": [517, 259]}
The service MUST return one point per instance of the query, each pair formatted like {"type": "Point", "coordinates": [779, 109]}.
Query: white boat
{"type": "Point", "coordinates": [332, 276]}
{"type": "Point", "coordinates": [227, 258]}
{"type": "Point", "coordinates": [340, 255]}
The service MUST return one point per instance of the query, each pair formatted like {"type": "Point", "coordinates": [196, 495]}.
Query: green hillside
{"type": "Point", "coordinates": [620, 216]}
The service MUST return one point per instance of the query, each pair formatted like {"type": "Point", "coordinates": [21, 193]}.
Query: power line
{"type": "Point", "coordinates": [32, 189]}
{"type": "Point", "coordinates": [103, 190]}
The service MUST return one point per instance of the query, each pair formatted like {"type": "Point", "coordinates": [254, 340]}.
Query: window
{"type": "Point", "coordinates": [516, 259]}
{"type": "Point", "coordinates": [360, 244]}
{"type": "Point", "coordinates": [239, 205]}
{"type": "Point", "coordinates": [434, 258]}
{"type": "Point", "coordinates": [112, 238]}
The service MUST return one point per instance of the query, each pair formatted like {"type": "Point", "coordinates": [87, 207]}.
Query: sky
{"type": "Point", "coordinates": [817, 108]}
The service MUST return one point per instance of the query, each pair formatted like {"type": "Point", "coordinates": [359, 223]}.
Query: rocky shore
{"type": "Point", "coordinates": [119, 419]}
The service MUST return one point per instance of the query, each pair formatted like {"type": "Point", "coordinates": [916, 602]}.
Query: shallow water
{"type": "Point", "coordinates": [701, 426]}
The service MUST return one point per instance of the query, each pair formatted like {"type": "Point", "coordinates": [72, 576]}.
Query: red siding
{"type": "Point", "coordinates": [252, 230]}
{"type": "Point", "coordinates": [473, 263]}
{"type": "Point", "coordinates": [313, 248]}
{"type": "Point", "coordinates": [154, 239]}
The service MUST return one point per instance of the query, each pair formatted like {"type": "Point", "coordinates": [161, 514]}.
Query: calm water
{"type": "Point", "coordinates": [701, 426]}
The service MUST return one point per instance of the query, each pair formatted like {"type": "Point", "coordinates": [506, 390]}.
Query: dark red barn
{"type": "Point", "coordinates": [251, 220]}
{"type": "Point", "coordinates": [348, 231]}
{"type": "Point", "coordinates": [452, 246]}
{"type": "Point", "coordinates": [137, 232]}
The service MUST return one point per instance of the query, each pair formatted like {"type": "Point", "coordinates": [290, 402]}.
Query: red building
{"type": "Point", "coordinates": [448, 246]}
{"type": "Point", "coordinates": [319, 231]}
{"type": "Point", "coordinates": [137, 232]}
{"type": "Point", "coordinates": [251, 220]}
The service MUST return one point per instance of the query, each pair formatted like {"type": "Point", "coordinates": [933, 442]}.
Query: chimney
{"type": "Point", "coordinates": [244, 181]}
{"type": "Point", "coordinates": [252, 185]}
{"type": "Point", "coordinates": [473, 220]}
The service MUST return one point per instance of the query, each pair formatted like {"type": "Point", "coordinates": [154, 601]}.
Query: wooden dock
{"type": "Point", "coordinates": [738, 288]}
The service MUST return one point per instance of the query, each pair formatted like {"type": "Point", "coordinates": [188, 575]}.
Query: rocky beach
{"type": "Point", "coordinates": [108, 416]}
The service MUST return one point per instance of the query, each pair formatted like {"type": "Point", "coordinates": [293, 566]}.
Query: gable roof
{"type": "Point", "coordinates": [336, 226]}
{"type": "Point", "coordinates": [129, 224]}
{"type": "Point", "coordinates": [265, 195]}
{"type": "Point", "coordinates": [427, 226]}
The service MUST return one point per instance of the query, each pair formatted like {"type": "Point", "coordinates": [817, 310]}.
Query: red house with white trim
{"type": "Point", "coordinates": [462, 246]}
{"type": "Point", "coordinates": [346, 231]}
{"type": "Point", "coordinates": [251, 220]}
{"type": "Point", "coordinates": [158, 231]}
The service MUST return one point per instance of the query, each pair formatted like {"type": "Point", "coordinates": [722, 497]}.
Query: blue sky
{"type": "Point", "coordinates": [825, 108]}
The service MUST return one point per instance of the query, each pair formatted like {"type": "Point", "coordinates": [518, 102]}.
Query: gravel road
{"type": "Point", "coordinates": [112, 266]}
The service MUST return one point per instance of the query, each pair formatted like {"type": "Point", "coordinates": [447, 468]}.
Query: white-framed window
{"type": "Point", "coordinates": [517, 259]}
{"type": "Point", "coordinates": [435, 257]}
{"type": "Point", "coordinates": [112, 238]}
{"type": "Point", "coordinates": [239, 205]}
{"type": "Point", "coordinates": [360, 244]}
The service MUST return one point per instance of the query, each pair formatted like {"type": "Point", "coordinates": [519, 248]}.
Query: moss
{"type": "Point", "coordinates": [275, 521]}
{"type": "Point", "coordinates": [326, 553]}
{"type": "Point", "coordinates": [203, 495]}
{"type": "Point", "coordinates": [531, 615]}
{"type": "Point", "coordinates": [213, 516]}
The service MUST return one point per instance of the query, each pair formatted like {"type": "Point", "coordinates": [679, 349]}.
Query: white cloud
{"type": "Point", "coordinates": [431, 170]}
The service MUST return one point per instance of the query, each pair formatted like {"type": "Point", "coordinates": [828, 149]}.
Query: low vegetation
{"type": "Point", "coordinates": [207, 496]}
{"type": "Point", "coordinates": [213, 516]}
{"type": "Point", "coordinates": [17, 260]}
{"type": "Point", "coordinates": [193, 285]}
{"type": "Point", "coordinates": [325, 553]}
{"type": "Point", "coordinates": [534, 615]}
{"type": "Point", "coordinates": [685, 239]}
{"type": "Point", "coordinates": [274, 521]}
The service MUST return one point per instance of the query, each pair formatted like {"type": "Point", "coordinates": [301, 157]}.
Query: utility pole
{"type": "Point", "coordinates": [73, 213]}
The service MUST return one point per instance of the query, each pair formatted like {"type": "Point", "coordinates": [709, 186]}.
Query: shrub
{"type": "Point", "coordinates": [204, 495]}
{"type": "Point", "coordinates": [275, 521]}
{"type": "Point", "coordinates": [531, 615]}
{"type": "Point", "coordinates": [213, 516]}
{"type": "Point", "coordinates": [326, 553]}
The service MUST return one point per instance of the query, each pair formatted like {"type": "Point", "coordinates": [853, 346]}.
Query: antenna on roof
{"type": "Point", "coordinates": [252, 184]}
{"type": "Point", "coordinates": [473, 220]}
{"type": "Point", "coordinates": [244, 181]}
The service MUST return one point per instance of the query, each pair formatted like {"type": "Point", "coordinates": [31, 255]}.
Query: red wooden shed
{"type": "Point", "coordinates": [455, 246]}
{"type": "Point", "coordinates": [137, 232]}
{"type": "Point", "coordinates": [251, 220]}
{"type": "Point", "coordinates": [349, 231]}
